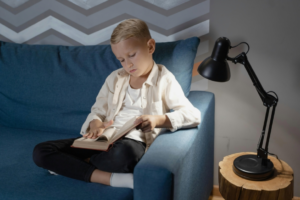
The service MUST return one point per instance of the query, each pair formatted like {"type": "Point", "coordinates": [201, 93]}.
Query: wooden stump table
{"type": "Point", "coordinates": [278, 187]}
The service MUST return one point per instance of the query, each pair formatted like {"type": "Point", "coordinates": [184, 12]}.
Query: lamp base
{"type": "Point", "coordinates": [251, 167]}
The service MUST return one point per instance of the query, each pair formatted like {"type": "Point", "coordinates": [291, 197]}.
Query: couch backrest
{"type": "Point", "coordinates": [52, 87]}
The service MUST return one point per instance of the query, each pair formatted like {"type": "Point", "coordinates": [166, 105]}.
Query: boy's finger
{"type": "Point", "coordinates": [142, 125]}
{"type": "Point", "coordinates": [93, 135]}
{"type": "Point", "coordinates": [138, 127]}
{"type": "Point", "coordinates": [99, 132]}
{"type": "Point", "coordinates": [146, 127]}
{"type": "Point", "coordinates": [145, 124]}
{"type": "Point", "coordinates": [138, 120]}
{"type": "Point", "coordinates": [85, 135]}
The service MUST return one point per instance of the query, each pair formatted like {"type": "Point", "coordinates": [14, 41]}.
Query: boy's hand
{"type": "Point", "coordinates": [96, 129]}
{"type": "Point", "coordinates": [148, 123]}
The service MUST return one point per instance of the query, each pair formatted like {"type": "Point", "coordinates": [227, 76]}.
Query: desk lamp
{"type": "Point", "coordinates": [215, 68]}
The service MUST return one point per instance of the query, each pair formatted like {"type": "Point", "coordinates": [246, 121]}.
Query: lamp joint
{"type": "Point", "coordinates": [262, 153]}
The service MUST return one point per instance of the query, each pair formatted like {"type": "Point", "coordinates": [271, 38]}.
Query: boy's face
{"type": "Point", "coordinates": [135, 54]}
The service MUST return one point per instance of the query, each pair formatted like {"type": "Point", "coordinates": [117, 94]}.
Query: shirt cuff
{"type": "Point", "coordinates": [172, 118]}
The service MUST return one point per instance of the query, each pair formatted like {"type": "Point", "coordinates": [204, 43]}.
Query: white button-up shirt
{"type": "Point", "coordinates": [131, 107]}
{"type": "Point", "coordinates": [160, 93]}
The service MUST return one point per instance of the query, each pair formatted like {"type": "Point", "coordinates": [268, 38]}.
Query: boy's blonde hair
{"type": "Point", "coordinates": [130, 28]}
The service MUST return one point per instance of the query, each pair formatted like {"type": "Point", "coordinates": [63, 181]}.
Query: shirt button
{"type": "Point", "coordinates": [144, 97]}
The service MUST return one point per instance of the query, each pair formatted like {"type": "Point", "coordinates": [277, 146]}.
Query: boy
{"type": "Point", "coordinates": [141, 87]}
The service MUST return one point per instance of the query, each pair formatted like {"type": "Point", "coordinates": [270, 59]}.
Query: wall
{"type": "Point", "coordinates": [90, 22]}
{"type": "Point", "coordinates": [271, 28]}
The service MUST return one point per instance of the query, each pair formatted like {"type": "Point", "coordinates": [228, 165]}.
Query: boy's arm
{"type": "Point", "coordinates": [163, 121]}
{"type": "Point", "coordinates": [99, 109]}
{"type": "Point", "coordinates": [185, 115]}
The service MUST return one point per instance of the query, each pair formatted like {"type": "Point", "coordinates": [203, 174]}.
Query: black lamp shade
{"type": "Point", "coordinates": [215, 67]}
{"type": "Point", "coordinates": [214, 70]}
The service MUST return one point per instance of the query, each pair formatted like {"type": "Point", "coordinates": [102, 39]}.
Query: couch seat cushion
{"type": "Point", "coordinates": [21, 178]}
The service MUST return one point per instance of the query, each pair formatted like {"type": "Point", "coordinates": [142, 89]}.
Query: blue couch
{"type": "Point", "coordinates": [46, 93]}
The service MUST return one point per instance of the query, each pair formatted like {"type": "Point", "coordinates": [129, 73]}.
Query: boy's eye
{"type": "Point", "coordinates": [130, 56]}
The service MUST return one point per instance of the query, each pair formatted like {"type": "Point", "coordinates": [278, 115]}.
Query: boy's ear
{"type": "Point", "coordinates": [151, 45]}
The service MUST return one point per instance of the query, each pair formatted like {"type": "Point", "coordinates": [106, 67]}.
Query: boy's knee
{"type": "Point", "coordinates": [130, 157]}
{"type": "Point", "coordinates": [131, 164]}
{"type": "Point", "coordinates": [125, 151]}
{"type": "Point", "coordinates": [37, 155]}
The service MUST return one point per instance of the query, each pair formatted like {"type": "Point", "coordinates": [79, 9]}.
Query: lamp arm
{"type": "Point", "coordinates": [268, 100]}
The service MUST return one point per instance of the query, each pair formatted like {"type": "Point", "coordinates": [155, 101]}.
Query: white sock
{"type": "Point", "coordinates": [121, 180]}
{"type": "Point", "coordinates": [51, 172]}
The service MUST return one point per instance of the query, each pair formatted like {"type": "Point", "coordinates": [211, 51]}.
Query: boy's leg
{"type": "Point", "coordinates": [58, 156]}
{"type": "Point", "coordinates": [87, 160]}
{"type": "Point", "coordinates": [121, 158]}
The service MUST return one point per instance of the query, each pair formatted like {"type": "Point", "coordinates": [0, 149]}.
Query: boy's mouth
{"type": "Point", "coordinates": [133, 70]}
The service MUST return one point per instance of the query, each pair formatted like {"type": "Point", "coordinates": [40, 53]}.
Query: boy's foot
{"type": "Point", "coordinates": [121, 180]}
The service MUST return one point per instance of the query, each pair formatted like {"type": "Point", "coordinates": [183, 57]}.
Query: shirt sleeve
{"type": "Point", "coordinates": [99, 109]}
{"type": "Point", "coordinates": [185, 115]}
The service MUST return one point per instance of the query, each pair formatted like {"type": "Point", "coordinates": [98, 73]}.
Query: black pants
{"type": "Point", "coordinates": [59, 157]}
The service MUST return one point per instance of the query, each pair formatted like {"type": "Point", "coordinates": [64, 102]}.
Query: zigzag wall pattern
{"type": "Point", "coordinates": [91, 22]}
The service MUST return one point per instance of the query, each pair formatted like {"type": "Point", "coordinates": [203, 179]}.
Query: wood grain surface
{"type": "Point", "coordinates": [278, 187]}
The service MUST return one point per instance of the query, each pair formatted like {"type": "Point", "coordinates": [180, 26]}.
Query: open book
{"type": "Point", "coordinates": [105, 141]}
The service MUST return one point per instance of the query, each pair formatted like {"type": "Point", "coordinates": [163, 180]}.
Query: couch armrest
{"type": "Point", "coordinates": [180, 165]}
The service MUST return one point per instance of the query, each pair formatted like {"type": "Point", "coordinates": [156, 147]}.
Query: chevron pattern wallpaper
{"type": "Point", "coordinates": [91, 22]}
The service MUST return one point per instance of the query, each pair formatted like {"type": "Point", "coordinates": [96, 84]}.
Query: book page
{"type": "Point", "coordinates": [129, 125]}
{"type": "Point", "coordinates": [106, 135]}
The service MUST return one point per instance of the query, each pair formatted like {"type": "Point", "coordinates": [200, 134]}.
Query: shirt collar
{"type": "Point", "coordinates": [152, 78]}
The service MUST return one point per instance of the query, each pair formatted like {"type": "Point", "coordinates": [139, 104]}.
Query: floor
{"type": "Point", "coordinates": [215, 198]}
{"type": "Point", "coordinates": [220, 198]}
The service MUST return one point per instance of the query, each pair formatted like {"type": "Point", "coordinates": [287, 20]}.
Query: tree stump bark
{"type": "Point", "coordinates": [279, 187]}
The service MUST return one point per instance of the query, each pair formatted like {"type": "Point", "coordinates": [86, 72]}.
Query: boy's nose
{"type": "Point", "coordinates": [129, 65]}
